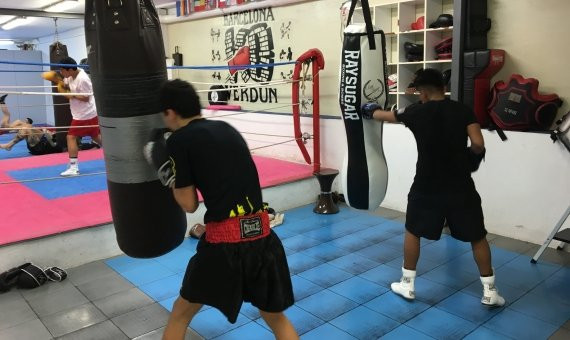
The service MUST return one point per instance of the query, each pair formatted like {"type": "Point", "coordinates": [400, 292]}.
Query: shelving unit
{"type": "Point", "coordinates": [395, 17]}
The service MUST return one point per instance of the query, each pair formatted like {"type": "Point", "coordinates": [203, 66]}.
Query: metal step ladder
{"type": "Point", "coordinates": [562, 236]}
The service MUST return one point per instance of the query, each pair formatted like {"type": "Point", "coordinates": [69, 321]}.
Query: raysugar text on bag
{"type": "Point", "coordinates": [249, 17]}
{"type": "Point", "coordinates": [350, 76]}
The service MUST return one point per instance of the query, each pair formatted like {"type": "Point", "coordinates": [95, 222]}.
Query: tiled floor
{"type": "Point", "coordinates": [341, 268]}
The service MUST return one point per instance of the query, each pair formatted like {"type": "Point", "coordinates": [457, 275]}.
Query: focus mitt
{"type": "Point", "coordinates": [52, 76]}
{"type": "Point", "coordinates": [156, 154]}
{"type": "Point", "coordinates": [475, 159]}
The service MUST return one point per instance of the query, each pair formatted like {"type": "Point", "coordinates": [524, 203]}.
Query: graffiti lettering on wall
{"type": "Point", "coordinates": [249, 17]}
{"type": "Point", "coordinates": [252, 37]}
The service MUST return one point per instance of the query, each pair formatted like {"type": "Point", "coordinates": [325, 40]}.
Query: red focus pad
{"type": "Point", "coordinates": [444, 46]}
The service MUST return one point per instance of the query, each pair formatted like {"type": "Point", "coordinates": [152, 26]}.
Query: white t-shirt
{"type": "Point", "coordinates": [81, 110]}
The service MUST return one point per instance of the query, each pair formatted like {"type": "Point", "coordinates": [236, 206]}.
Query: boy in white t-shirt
{"type": "Point", "coordinates": [83, 110]}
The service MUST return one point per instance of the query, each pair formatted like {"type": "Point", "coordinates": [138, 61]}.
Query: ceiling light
{"type": "Point", "coordinates": [61, 6]}
{"type": "Point", "coordinates": [6, 42]}
{"type": "Point", "coordinates": [5, 18]}
{"type": "Point", "coordinates": [16, 22]}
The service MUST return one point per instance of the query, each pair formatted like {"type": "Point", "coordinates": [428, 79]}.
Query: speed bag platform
{"type": "Point", "coordinates": [364, 173]}
{"type": "Point", "coordinates": [517, 105]}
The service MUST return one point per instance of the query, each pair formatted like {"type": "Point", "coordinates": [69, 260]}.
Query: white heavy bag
{"type": "Point", "coordinates": [363, 79]}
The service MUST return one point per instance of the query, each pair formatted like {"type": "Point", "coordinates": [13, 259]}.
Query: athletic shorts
{"type": "Point", "coordinates": [427, 214]}
{"type": "Point", "coordinates": [224, 275]}
{"type": "Point", "coordinates": [84, 132]}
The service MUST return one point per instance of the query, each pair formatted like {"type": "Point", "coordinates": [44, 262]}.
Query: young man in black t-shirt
{"type": "Point", "coordinates": [443, 190]}
{"type": "Point", "coordinates": [239, 258]}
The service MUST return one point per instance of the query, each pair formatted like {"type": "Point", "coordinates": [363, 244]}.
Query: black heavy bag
{"type": "Point", "coordinates": [363, 78]}
{"type": "Point", "coordinates": [127, 63]}
{"type": "Point", "coordinates": [61, 111]}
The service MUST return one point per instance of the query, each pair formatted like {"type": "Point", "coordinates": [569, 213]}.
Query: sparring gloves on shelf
{"type": "Point", "coordinates": [156, 154]}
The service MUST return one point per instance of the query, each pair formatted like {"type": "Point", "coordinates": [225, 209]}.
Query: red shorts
{"type": "Point", "coordinates": [83, 132]}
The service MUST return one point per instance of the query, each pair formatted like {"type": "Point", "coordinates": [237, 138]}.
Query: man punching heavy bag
{"type": "Point", "coordinates": [127, 63]}
{"type": "Point", "coordinates": [363, 79]}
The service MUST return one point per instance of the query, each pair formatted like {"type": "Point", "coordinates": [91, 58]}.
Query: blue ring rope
{"type": "Point", "coordinates": [215, 67]}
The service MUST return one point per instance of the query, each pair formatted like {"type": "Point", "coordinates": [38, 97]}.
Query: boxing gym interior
{"type": "Point", "coordinates": [335, 101]}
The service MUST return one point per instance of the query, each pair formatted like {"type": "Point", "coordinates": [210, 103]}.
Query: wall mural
{"type": "Point", "coordinates": [252, 37]}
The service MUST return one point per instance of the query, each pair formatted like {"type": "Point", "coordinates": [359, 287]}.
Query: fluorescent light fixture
{"type": "Point", "coordinates": [61, 6]}
{"type": "Point", "coordinates": [6, 42]}
{"type": "Point", "coordinates": [16, 22]}
{"type": "Point", "coordinates": [5, 18]}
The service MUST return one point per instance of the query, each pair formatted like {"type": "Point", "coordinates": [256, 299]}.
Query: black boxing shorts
{"type": "Point", "coordinates": [239, 259]}
{"type": "Point", "coordinates": [428, 213]}
{"type": "Point", "coordinates": [42, 147]}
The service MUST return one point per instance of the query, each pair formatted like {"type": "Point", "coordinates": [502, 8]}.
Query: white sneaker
{"type": "Point", "coordinates": [491, 295]}
{"type": "Point", "coordinates": [405, 287]}
{"type": "Point", "coordinates": [71, 171]}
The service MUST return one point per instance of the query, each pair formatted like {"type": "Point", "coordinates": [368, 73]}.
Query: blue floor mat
{"type": "Point", "coordinates": [342, 266]}
{"type": "Point", "coordinates": [63, 187]}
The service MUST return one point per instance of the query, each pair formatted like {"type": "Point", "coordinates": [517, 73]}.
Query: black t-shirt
{"type": "Point", "coordinates": [440, 129]}
{"type": "Point", "coordinates": [213, 156]}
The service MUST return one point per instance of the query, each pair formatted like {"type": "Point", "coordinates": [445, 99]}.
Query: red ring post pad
{"type": "Point", "coordinates": [148, 221]}
{"type": "Point", "coordinates": [224, 107]}
{"type": "Point", "coordinates": [315, 56]}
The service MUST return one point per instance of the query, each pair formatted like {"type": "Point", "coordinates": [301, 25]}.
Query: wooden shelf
{"type": "Point", "coordinates": [443, 61]}
{"type": "Point", "coordinates": [441, 29]}
{"type": "Point", "coordinates": [411, 63]}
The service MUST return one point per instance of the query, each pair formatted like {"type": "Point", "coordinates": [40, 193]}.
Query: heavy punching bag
{"type": "Point", "coordinates": [61, 110]}
{"type": "Point", "coordinates": [127, 63]}
{"type": "Point", "coordinates": [364, 174]}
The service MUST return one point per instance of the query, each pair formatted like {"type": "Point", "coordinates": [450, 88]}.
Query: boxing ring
{"type": "Point", "coordinates": [41, 203]}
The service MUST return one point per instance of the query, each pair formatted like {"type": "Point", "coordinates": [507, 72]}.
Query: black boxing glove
{"type": "Point", "coordinates": [475, 159]}
{"type": "Point", "coordinates": [156, 154]}
{"type": "Point", "coordinates": [367, 110]}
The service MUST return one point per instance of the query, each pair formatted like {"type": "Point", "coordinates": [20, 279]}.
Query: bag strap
{"type": "Point", "coordinates": [367, 20]}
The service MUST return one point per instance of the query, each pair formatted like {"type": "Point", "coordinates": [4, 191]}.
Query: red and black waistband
{"type": "Point", "coordinates": [238, 229]}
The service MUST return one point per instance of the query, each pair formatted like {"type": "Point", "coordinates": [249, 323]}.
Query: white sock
{"type": "Point", "coordinates": [73, 162]}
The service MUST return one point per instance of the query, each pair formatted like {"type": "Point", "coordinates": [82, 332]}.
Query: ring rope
{"type": "Point", "coordinates": [49, 127]}
{"type": "Point", "coordinates": [52, 178]}
{"type": "Point", "coordinates": [48, 93]}
{"type": "Point", "coordinates": [39, 105]}
{"type": "Point", "coordinates": [25, 87]}
{"type": "Point", "coordinates": [206, 67]}
{"type": "Point", "coordinates": [288, 81]}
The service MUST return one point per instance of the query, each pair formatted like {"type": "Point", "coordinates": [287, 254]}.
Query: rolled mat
{"type": "Point", "coordinates": [127, 63]}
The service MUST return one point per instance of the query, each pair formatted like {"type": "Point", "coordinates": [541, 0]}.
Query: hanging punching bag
{"type": "Point", "coordinates": [127, 63]}
{"type": "Point", "coordinates": [61, 111]}
{"type": "Point", "coordinates": [364, 174]}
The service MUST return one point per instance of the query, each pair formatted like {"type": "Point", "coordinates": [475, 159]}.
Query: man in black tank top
{"type": "Point", "coordinates": [443, 191]}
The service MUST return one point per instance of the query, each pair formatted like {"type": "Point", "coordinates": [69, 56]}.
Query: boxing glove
{"type": "Point", "coordinates": [52, 76]}
{"type": "Point", "coordinates": [156, 154]}
{"type": "Point", "coordinates": [475, 159]}
{"type": "Point", "coordinates": [368, 109]}
{"type": "Point", "coordinates": [62, 88]}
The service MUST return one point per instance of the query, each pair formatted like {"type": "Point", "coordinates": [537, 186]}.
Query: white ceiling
{"type": "Point", "coordinates": [44, 26]}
